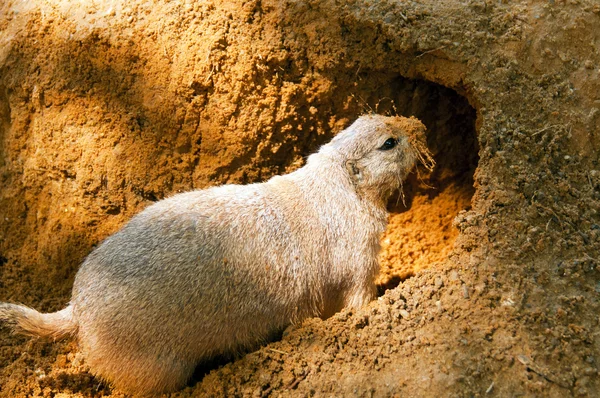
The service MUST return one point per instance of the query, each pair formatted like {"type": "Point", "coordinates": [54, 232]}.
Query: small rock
{"type": "Point", "coordinates": [39, 372]}
{"type": "Point", "coordinates": [78, 360]}
{"type": "Point", "coordinates": [590, 371]}
{"type": "Point", "coordinates": [61, 361]}
{"type": "Point", "coordinates": [454, 275]}
{"type": "Point", "coordinates": [465, 291]}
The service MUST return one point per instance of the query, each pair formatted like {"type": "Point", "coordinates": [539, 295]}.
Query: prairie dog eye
{"type": "Point", "coordinates": [388, 144]}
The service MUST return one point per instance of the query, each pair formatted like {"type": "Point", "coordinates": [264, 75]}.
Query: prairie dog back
{"type": "Point", "coordinates": [220, 270]}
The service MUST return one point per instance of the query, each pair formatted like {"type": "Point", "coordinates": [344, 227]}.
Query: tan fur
{"type": "Point", "coordinates": [219, 270]}
{"type": "Point", "coordinates": [27, 321]}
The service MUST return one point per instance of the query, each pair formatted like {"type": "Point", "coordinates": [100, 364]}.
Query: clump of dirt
{"type": "Point", "coordinates": [108, 107]}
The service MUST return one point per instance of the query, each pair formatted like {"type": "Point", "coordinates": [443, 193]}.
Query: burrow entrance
{"type": "Point", "coordinates": [420, 231]}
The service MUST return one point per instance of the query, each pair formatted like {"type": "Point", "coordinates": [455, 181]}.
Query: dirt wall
{"type": "Point", "coordinates": [107, 107]}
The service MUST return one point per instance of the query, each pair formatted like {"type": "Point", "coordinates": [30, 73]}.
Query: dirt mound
{"type": "Point", "coordinates": [105, 108]}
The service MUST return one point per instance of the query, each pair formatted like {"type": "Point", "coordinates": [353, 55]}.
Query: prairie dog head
{"type": "Point", "coordinates": [380, 151]}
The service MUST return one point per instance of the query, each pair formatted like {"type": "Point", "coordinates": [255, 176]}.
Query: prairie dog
{"type": "Point", "coordinates": [220, 270]}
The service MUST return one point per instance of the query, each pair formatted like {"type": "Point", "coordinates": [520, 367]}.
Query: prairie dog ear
{"type": "Point", "coordinates": [353, 170]}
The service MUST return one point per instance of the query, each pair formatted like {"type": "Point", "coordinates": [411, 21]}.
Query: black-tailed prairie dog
{"type": "Point", "coordinates": [220, 270]}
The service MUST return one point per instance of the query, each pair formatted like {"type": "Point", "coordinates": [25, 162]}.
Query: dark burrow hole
{"type": "Point", "coordinates": [420, 233]}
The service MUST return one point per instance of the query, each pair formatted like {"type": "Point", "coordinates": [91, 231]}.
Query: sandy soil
{"type": "Point", "coordinates": [490, 281]}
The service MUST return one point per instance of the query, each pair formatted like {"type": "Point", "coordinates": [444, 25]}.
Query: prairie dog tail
{"type": "Point", "coordinates": [27, 321]}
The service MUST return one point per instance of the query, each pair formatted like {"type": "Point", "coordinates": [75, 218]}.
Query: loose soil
{"type": "Point", "coordinates": [490, 281]}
